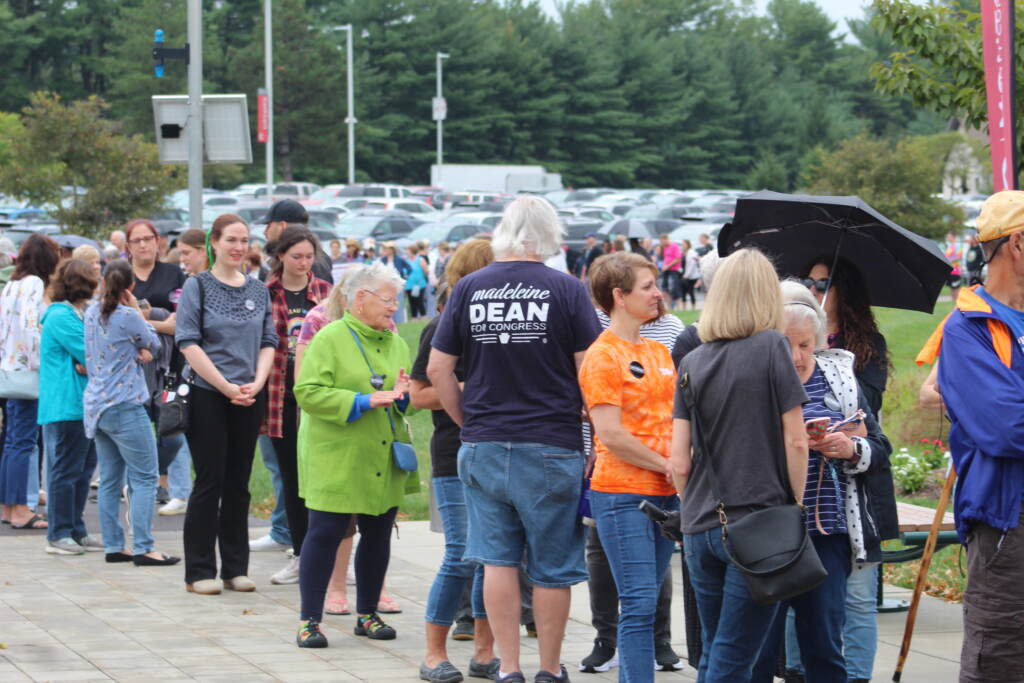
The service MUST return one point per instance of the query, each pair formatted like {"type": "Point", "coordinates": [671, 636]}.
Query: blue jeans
{"type": "Point", "coordinates": [819, 616]}
{"type": "Point", "coordinates": [20, 452]}
{"type": "Point", "coordinates": [639, 557]}
{"type": "Point", "coordinates": [70, 461]}
{"type": "Point", "coordinates": [279, 517]}
{"type": "Point", "coordinates": [446, 592]}
{"type": "Point", "coordinates": [126, 445]}
{"type": "Point", "coordinates": [733, 626]}
{"type": "Point", "coordinates": [179, 472]}
{"type": "Point", "coordinates": [521, 495]}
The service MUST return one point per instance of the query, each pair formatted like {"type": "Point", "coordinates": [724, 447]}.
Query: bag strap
{"type": "Point", "coordinates": [697, 441]}
{"type": "Point", "coordinates": [362, 351]}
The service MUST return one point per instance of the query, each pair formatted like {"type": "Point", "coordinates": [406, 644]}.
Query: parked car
{"type": "Point", "coordinates": [409, 205]}
{"type": "Point", "coordinates": [19, 232]}
{"type": "Point", "coordinates": [651, 211]}
{"type": "Point", "coordinates": [225, 201]}
{"type": "Point", "coordinates": [14, 214]}
{"type": "Point", "coordinates": [288, 191]}
{"type": "Point", "coordinates": [375, 190]}
{"type": "Point", "coordinates": [324, 194]}
{"type": "Point", "coordinates": [488, 219]}
{"type": "Point", "coordinates": [598, 212]}
{"type": "Point", "coordinates": [473, 198]}
{"type": "Point", "coordinates": [443, 232]}
{"type": "Point", "coordinates": [380, 225]}
{"type": "Point", "coordinates": [577, 229]}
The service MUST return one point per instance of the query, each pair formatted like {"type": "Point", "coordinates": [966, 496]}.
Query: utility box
{"type": "Point", "coordinates": [226, 138]}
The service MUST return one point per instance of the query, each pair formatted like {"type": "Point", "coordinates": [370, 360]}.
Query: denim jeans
{"type": "Point", "coordinates": [20, 452]}
{"type": "Point", "coordinates": [819, 618]}
{"type": "Point", "coordinates": [279, 517]}
{"type": "Point", "coordinates": [639, 557]}
{"type": "Point", "coordinates": [34, 485]}
{"type": "Point", "coordinates": [126, 445]}
{"type": "Point", "coordinates": [733, 626]}
{"type": "Point", "coordinates": [454, 573]}
{"type": "Point", "coordinates": [179, 472]}
{"type": "Point", "coordinates": [71, 458]}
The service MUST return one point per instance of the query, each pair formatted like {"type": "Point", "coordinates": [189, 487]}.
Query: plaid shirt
{"type": "Point", "coordinates": [316, 291]}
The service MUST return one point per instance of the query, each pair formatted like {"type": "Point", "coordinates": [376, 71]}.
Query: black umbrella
{"type": "Point", "coordinates": [630, 227]}
{"type": "Point", "coordinates": [900, 269]}
{"type": "Point", "coordinates": [73, 241]}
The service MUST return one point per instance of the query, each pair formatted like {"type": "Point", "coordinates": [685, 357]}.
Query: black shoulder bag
{"type": "Point", "coordinates": [174, 401]}
{"type": "Point", "coordinates": [770, 546]}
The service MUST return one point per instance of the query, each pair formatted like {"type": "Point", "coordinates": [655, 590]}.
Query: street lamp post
{"type": "Point", "coordinates": [350, 120]}
{"type": "Point", "coordinates": [268, 68]}
{"type": "Point", "coordinates": [195, 113]}
{"type": "Point", "coordinates": [440, 112]}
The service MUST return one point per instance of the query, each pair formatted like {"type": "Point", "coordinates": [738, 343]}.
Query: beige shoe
{"type": "Point", "coordinates": [205, 587]}
{"type": "Point", "coordinates": [242, 584]}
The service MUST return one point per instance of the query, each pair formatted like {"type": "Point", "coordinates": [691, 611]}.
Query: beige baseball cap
{"type": "Point", "coordinates": [1002, 214]}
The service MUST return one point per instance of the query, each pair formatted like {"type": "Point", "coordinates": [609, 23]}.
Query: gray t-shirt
{"type": "Point", "coordinates": [237, 323]}
{"type": "Point", "coordinates": [742, 388]}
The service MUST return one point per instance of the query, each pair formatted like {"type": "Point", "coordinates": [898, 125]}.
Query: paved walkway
{"type": "Point", "coordinates": [78, 618]}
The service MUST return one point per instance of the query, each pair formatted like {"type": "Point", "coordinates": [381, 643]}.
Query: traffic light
{"type": "Point", "coordinates": [160, 53]}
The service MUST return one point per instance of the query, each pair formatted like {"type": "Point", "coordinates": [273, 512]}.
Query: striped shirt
{"type": "Point", "coordinates": [826, 505]}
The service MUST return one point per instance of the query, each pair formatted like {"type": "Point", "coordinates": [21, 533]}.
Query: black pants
{"type": "Point", "coordinates": [604, 596]}
{"type": "Point", "coordinates": [418, 304]}
{"type": "Point", "coordinates": [688, 288]}
{"type": "Point", "coordinates": [326, 531]}
{"type": "Point", "coordinates": [222, 438]}
{"type": "Point", "coordinates": [288, 460]}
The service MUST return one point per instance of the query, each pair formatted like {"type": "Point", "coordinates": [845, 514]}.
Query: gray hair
{"type": "Point", "coordinates": [369, 277]}
{"type": "Point", "coordinates": [529, 228]}
{"type": "Point", "coordinates": [801, 307]}
{"type": "Point", "coordinates": [709, 263]}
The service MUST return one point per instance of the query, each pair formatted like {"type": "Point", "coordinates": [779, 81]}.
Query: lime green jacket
{"type": "Point", "coordinates": [346, 466]}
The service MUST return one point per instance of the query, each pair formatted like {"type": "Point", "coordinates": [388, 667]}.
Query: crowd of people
{"type": "Point", "coordinates": [540, 476]}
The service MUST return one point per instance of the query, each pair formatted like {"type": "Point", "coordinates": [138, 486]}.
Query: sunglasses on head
{"type": "Point", "coordinates": [820, 285]}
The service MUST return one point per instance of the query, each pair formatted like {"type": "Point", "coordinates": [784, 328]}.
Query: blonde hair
{"type": "Point", "coordinates": [745, 300]}
{"type": "Point", "coordinates": [616, 271]}
{"type": "Point", "coordinates": [86, 252]}
{"type": "Point", "coordinates": [469, 257]}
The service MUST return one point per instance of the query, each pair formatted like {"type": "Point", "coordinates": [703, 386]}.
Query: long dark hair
{"type": "Point", "coordinates": [39, 255]}
{"type": "Point", "coordinates": [290, 236]}
{"type": "Point", "coordinates": [855, 320]}
{"type": "Point", "coordinates": [117, 279]}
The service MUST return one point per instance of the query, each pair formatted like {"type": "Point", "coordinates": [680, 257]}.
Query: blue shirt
{"type": "Point", "coordinates": [826, 505]}
{"type": "Point", "coordinates": [111, 354]}
{"type": "Point", "coordinates": [1013, 318]}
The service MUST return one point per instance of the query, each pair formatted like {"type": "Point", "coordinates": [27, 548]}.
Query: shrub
{"type": "Point", "coordinates": [909, 471]}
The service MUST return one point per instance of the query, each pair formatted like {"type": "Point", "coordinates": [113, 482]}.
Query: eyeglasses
{"type": "Point", "coordinates": [387, 301]}
{"type": "Point", "coordinates": [142, 240]}
{"type": "Point", "coordinates": [820, 285]}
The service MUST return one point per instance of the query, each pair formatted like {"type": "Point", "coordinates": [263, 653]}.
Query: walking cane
{"type": "Point", "coordinates": [922, 573]}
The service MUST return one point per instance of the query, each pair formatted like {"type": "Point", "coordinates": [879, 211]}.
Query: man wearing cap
{"type": "Point", "coordinates": [981, 378]}
{"type": "Point", "coordinates": [279, 216]}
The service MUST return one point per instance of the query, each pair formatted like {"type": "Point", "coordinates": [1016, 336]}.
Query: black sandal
{"type": "Point", "coordinates": [147, 561]}
{"type": "Point", "coordinates": [31, 524]}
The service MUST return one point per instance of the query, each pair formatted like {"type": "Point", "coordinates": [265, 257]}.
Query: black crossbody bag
{"type": "Point", "coordinates": [770, 546]}
{"type": "Point", "coordinates": [172, 417]}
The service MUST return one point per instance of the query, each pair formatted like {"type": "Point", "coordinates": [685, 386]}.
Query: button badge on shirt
{"type": "Point", "coordinates": [636, 369]}
{"type": "Point", "coordinates": [250, 305]}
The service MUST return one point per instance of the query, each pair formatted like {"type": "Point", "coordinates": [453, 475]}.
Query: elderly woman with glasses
{"type": "Point", "coordinates": [353, 391]}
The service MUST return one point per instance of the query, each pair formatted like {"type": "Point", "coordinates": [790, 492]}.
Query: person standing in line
{"type": "Point", "coordinates": [981, 379]}
{"type": "Point", "coordinates": [390, 258]}
{"type": "Point", "coordinates": [628, 384]}
{"type": "Point", "coordinates": [282, 214]}
{"type": "Point", "coordinates": [416, 284]}
{"type": "Point", "coordinates": [71, 456]}
{"type": "Point", "coordinates": [226, 333]}
{"type": "Point", "coordinates": [454, 574]}
{"type": "Point", "coordinates": [743, 353]}
{"type": "Point", "coordinates": [953, 250]}
{"type": "Point", "coordinates": [353, 392]}
{"type": "Point", "coordinates": [521, 460]}
{"type": "Point", "coordinates": [705, 246]}
{"type": "Point", "coordinates": [294, 291]}
{"type": "Point", "coordinates": [974, 261]}
{"type": "Point", "coordinates": [691, 273]}
{"type": "Point", "coordinates": [671, 270]}
{"type": "Point", "coordinates": [118, 340]}
{"type": "Point", "coordinates": [22, 304]}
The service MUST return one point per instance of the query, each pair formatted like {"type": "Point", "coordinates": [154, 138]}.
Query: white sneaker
{"type": "Point", "coordinates": [289, 574]}
{"type": "Point", "coordinates": [176, 506]}
{"type": "Point", "coordinates": [264, 543]}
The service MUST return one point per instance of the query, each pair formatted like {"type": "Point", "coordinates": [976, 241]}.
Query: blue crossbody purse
{"type": "Point", "coordinates": [403, 454]}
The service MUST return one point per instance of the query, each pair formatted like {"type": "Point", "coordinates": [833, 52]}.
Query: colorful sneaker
{"type": "Point", "coordinates": [310, 635]}
{"type": "Point", "coordinates": [371, 626]}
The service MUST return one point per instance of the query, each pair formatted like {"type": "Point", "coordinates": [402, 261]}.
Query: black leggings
{"type": "Point", "coordinates": [688, 288]}
{"type": "Point", "coordinates": [326, 531]}
{"type": "Point", "coordinates": [287, 460]}
{"type": "Point", "coordinates": [418, 304]}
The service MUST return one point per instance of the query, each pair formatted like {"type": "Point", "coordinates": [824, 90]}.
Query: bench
{"type": "Point", "coordinates": [915, 522]}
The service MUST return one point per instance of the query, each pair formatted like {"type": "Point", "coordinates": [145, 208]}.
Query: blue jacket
{"type": "Point", "coordinates": [61, 346]}
{"type": "Point", "coordinates": [981, 376]}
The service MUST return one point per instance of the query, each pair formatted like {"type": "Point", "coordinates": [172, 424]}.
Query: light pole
{"type": "Point", "coordinates": [350, 120]}
{"type": "Point", "coordinates": [268, 68]}
{"type": "Point", "coordinates": [195, 113]}
{"type": "Point", "coordinates": [440, 112]}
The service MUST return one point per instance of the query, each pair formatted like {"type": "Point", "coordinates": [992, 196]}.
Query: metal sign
{"type": "Point", "coordinates": [226, 138]}
{"type": "Point", "coordinates": [440, 106]}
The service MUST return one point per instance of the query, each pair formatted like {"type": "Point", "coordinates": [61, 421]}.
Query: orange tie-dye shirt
{"type": "Point", "coordinates": [640, 380]}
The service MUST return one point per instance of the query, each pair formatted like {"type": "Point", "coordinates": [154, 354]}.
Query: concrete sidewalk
{"type": "Point", "coordinates": [78, 618]}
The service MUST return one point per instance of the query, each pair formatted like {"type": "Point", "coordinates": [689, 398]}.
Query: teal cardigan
{"type": "Point", "coordinates": [61, 346]}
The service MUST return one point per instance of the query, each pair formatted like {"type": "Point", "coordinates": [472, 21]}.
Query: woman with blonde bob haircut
{"type": "Point", "coordinates": [744, 354]}
{"type": "Point", "coordinates": [529, 228]}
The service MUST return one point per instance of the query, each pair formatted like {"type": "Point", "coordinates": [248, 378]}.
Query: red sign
{"type": "Point", "coordinates": [997, 29]}
{"type": "Point", "coordinates": [262, 116]}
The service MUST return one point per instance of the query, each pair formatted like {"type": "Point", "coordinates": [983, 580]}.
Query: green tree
{"type": "Point", "coordinates": [75, 144]}
{"type": "Point", "coordinates": [896, 179]}
{"type": "Point", "coordinates": [768, 173]}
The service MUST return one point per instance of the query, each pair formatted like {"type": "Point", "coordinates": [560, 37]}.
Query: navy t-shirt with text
{"type": "Point", "coordinates": [517, 326]}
